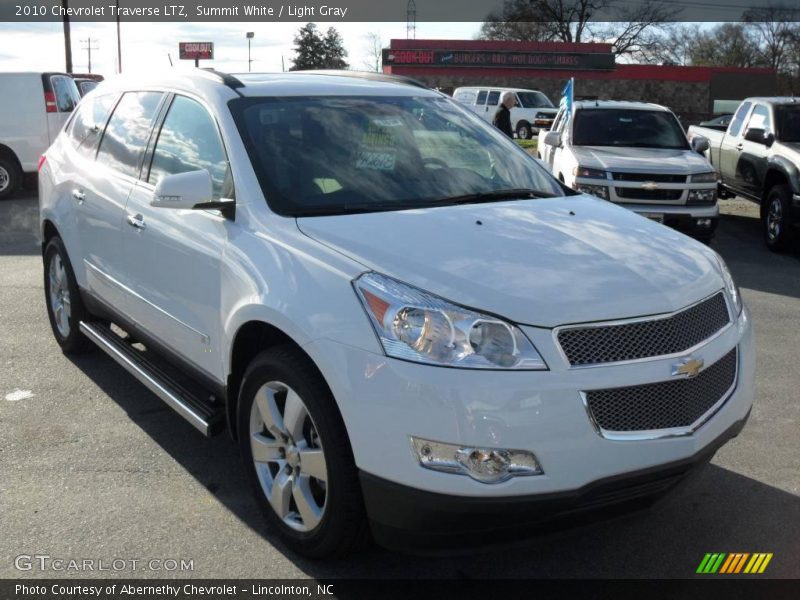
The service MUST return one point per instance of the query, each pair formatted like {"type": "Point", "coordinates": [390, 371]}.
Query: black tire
{"type": "Point", "coordinates": [343, 526]}
{"type": "Point", "coordinates": [73, 342]}
{"type": "Point", "coordinates": [775, 219]}
{"type": "Point", "coordinates": [524, 131]}
{"type": "Point", "coordinates": [10, 176]}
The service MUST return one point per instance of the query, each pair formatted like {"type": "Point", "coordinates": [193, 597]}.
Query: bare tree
{"type": "Point", "coordinates": [373, 52]}
{"type": "Point", "coordinates": [729, 45]}
{"type": "Point", "coordinates": [777, 30]}
{"type": "Point", "coordinates": [572, 21]}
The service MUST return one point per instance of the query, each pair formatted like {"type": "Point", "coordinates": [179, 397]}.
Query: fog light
{"type": "Point", "coordinates": [487, 465]}
{"type": "Point", "coordinates": [703, 223]}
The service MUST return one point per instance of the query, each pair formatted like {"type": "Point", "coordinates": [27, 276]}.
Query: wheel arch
{"type": "Point", "coordinates": [49, 231]}
{"type": "Point", "coordinates": [8, 152]}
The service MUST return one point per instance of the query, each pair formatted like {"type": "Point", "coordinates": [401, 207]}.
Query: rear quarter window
{"type": "Point", "coordinates": [88, 123]}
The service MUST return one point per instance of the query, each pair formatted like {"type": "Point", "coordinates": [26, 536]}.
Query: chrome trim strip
{"type": "Point", "coordinates": [204, 338]}
{"type": "Point", "coordinates": [175, 402]}
{"type": "Point", "coordinates": [658, 317]}
{"type": "Point", "coordinates": [672, 432]}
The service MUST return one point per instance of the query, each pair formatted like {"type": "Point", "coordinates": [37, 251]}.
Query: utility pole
{"type": "Point", "coordinates": [411, 20]}
{"type": "Point", "coordinates": [67, 37]}
{"type": "Point", "coordinates": [119, 44]}
{"type": "Point", "coordinates": [89, 49]}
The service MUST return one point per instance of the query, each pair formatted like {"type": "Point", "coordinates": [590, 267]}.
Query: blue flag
{"type": "Point", "coordinates": [566, 95]}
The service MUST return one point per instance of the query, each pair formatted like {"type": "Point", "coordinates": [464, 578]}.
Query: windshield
{"type": "Point", "coordinates": [534, 100]}
{"type": "Point", "coordinates": [337, 154]}
{"type": "Point", "coordinates": [627, 127]}
{"type": "Point", "coordinates": [787, 120]}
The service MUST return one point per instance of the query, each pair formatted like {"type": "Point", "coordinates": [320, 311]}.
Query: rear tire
{"type": "Point", "coordinates": [65, 307]}
{"type": "Point", "coordinates": [775, 219]}
{"type": "Point", "coordinates": [524, 131]}
{"type": "Point", "coordinates": [316, 506]}
{"type": "Point", "coordinates": [10, 177]}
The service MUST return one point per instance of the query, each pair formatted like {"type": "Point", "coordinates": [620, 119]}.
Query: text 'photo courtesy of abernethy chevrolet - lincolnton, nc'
{"type": "Point", "coordinates": [413, 329]}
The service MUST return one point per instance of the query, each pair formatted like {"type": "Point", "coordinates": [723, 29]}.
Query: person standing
{"type": "Point", "coordinates": [502, 118]}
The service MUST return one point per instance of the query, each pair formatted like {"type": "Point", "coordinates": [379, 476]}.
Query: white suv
{"type": "Point", "coordinates": [409, 326]}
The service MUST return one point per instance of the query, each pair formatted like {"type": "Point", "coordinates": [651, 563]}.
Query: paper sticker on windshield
{"type": "Point", "coordinates": [376, 161]}
{"type": "Point", "coordinates": [387, 122]}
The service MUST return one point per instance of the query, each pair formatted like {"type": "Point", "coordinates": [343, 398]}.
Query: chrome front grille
{"type": "Point", "coordinates": [677, 404]}
{"type": "Point", "coordinates": [644, 338]}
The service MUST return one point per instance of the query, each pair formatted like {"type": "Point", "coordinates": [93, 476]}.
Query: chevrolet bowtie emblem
{"type": "Point", "coordinates": [689, 367]}
{"type": "Point", "coordinates": [649, 185]}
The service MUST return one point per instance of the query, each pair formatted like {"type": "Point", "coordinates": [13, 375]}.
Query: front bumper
{"type": "Point", "coordinates": [385, 401]}
{"type": "Point", "coordinates": [682, 218]}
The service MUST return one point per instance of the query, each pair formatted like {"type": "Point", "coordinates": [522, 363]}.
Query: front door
{"type": "Point", "coordinates": [173, 256]}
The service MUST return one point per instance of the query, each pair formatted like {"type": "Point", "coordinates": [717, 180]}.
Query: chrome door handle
{"type": "Point", "coordinates": [136, 221]}
{"type": "Point", "coordinates": [739, 146]}
{"type": "Point", "coordinates": [78, 195]}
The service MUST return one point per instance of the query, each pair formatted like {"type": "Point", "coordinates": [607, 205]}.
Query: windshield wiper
{"type": "Point", "coordinates": [346, 209]}
{"type": "Point", "coordinates": [494, 196]}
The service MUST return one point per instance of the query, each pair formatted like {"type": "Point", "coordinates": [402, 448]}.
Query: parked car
{"type": "Point", "coordinates": [532, 112]}
{"type": "Point", "coordinates": [85, 85]}
{"type": "Point", "coordinates": [758, 157]}
{"type": "Point", "coordinates": [35, 107]}
{"type": "Point", "coordinates": [719, 123]}
{"type": "Point", "coordinates": [636, 155]}
{"type": "Point", "coordinates": [404, 320]}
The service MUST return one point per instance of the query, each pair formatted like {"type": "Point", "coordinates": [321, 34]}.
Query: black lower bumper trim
{"type": "Point", "coordinates": [406, 518]}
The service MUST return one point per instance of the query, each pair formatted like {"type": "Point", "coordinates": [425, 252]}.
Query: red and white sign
{"type": "Point", "coordinates": [196, 50]}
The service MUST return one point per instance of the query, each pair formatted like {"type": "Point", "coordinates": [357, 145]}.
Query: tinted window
{"type": "Point", "coordinates": [189, 141]}
{"type": "Point", "coordinates": [494, 99]}
{"type": "Point", "coordinates": [481, 98]}
{"type": "Point", "coordinates": [738, 119]}
{"type": "Point", "coordinates": [788, 123]}
{"type": "Point", "coordinates": [127, 132]}
{"type": "Point", "coordinates": [332, 155]}
{"type": "Point", "coordinates": [89, 122]}
{"type": "Point", "coordinates": [759, 119]}
{"type": "Point", "coordinates": [87, 86]}
{"type": "Point", "coordinates": [627, 128]}
{"type": "Point", "coordinates": [534, 100]}
{"type": "Point", "coordinates": [67, 96]}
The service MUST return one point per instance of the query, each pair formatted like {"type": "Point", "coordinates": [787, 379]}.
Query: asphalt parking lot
{"type": "Point", "coordinates": [93, 466]}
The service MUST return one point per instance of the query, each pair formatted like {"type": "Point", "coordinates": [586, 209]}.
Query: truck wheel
{"type": "Point", "coordinates": [776, 218]}
{"type": "Point", "coordinates": [64, 304]}
{"type": "Point", "coordinates": [524, 131]}
{"type": "Point", "coordinates": [298, 456]}
{"type": "Point", "coordinates": [10, 177]}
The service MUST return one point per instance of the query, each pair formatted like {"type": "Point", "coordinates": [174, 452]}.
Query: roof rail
{"type": "Point", "coordinates": [369, 75]}
{"type": "Point", "coordinates": [226, 78]}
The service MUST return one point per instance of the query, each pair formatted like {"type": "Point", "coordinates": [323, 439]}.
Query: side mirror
{"type": "Point", "coordinates": [553, 138]}
{"type": "Point", "coordinates": [755, 134]}
{"type": "Point", "coordinates": [700, 144]}
{"type": "Point", "coordinates": [769, 139]}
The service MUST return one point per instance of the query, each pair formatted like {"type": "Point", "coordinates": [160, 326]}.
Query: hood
{"type": "Point", "coordinates": [536, 262]}
{"type": "Point", "coordinates": [641, 160]}
{"type": "Point", "coordinates": [790, 150]}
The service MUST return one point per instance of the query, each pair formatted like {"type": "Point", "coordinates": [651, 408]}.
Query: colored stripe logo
{"type": "Point", "coordinates": [734, 563]}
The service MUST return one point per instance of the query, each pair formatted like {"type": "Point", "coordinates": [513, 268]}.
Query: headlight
{"type": "Point", "coordinates": [710, 177]}
{"type": "Point", "coordinates": [702, 196]}
{"type": "Point", "coordinates": [730, 285]}
{"type": "Point", "coordinates": [420, 327]}
{"type": "Point", "coordinates": [587, 172]}
{"type": "Point", "coordinates": [601, 191]}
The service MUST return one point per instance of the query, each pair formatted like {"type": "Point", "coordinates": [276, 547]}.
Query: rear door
{"type": "Point", "coordinates": [104, 192]}
{"type": "Point", "coordinates": [731, 146]}
{"type": "Point", "coordinates": [172, 257]}
{"type": "Point", "coordinates": [492, 102]}
{"type": "Point", "coordinates": [480, 103]}
{"type": "Point", "coordinates": [61, 98]}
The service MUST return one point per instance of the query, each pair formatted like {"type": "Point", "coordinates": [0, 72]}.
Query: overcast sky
{"type": "Point", "coordinates": [40, 46]}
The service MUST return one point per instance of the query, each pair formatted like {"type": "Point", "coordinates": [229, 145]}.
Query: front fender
{"type": "Point", "coordinates": [787, 168]}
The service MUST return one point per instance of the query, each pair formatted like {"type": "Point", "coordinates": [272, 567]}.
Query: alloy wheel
{"type": "Point", "coordinates": [774, 218]}
{"type": "Point", "coordinates": [60, 302]}
{"type": "Point", "coordinates": [288, 456]}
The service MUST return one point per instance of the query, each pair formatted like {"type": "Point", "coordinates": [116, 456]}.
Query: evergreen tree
{"type": "Point", "coordinates": [315, 51]}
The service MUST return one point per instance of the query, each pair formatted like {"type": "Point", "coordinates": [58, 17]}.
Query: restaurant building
{"type": "Point", "coordinates": [694, 93]}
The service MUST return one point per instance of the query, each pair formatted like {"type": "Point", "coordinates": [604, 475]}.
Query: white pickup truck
{"type": "Point", "coordinates": [637, 155]}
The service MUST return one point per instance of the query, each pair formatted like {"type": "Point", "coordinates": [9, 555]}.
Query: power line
{"type": "Point", "coordinates": [89, 49]}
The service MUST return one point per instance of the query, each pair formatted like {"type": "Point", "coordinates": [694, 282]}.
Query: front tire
{"type": "Point", "coordinates": [775, 219]}
{"type": "Point", "coordinates": [524, 131]}
{"type": "Point", "coordinates": [65, 307]}
{"type": "Point", "coordinates": [298, 456]}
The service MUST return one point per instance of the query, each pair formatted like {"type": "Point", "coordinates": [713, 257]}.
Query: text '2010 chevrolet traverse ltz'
{"type": "Point", "coordinates": [410, 327]}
